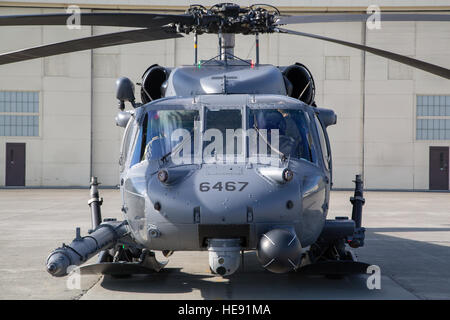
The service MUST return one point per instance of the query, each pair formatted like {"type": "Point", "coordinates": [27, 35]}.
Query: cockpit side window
{"type": "Point", "coordinates": [323, 142]}
{"type": "Point", "coordinates": [126, 143]}
{"type": "Point", "coordinates": [140, 142]}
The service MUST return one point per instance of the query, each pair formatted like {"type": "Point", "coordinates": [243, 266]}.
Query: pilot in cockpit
{"type": "Point", "coordinates": [288, 139]}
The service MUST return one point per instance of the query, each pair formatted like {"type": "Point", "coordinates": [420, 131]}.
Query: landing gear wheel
{"type": "Point", "coordinates": [104, 256]}
{"type": "Point", "coordinates": [340, 253]}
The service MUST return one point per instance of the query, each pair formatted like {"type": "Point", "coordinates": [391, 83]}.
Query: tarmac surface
{"type": "Point", "coordinates": [408, 237]}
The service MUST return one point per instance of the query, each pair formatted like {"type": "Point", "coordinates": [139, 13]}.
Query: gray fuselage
{"type": "Point", "coordinates": [181, 215]}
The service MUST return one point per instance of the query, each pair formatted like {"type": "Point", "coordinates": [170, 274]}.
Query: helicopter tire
{"type": "Point", "coordinates": [105, 256]}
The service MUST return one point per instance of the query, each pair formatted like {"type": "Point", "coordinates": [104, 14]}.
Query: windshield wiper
{"type": "Point", "coordinates": [177, 147]}
{"type": "Point", "coordinates": [255, 126]}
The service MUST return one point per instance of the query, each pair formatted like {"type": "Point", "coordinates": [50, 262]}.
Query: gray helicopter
{"type": "Point", "coordinates": [226, 155]}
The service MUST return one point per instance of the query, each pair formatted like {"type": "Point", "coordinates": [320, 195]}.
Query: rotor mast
{"type": "Point", "coordinates": [226, 45]}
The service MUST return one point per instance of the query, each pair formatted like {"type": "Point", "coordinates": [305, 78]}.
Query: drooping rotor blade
{"type": "Point", "coordinates": [115, 19]}
{"type": "Point", "coordinates": [320, 18]}
{"type": "Point", "coordinates": [100, 41]}
{"type": "Point", "coordinates": [425, 66]}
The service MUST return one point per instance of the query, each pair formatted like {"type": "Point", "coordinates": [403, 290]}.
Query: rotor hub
{"type": "Point", "coordinates": [230, 18]}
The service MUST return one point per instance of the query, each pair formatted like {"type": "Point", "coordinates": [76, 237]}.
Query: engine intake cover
{"type": "Point", "coordinates": [303, 87]}
{"type": "Point", "coordinates": [152, 83]}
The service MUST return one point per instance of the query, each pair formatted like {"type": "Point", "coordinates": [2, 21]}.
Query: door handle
{"type": "Point", "coordinates": [12, 156]}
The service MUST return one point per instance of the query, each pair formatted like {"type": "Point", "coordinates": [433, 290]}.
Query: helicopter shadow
{"type": "Point", "coordinates": [247, 283]}
{"type": "Point", "coordinates": [250, 282]}
{"type": "Point", "coordinates": [410, 269]}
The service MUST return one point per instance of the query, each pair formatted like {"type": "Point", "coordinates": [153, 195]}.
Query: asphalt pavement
{"type": "Point", "coordinates": [408, 237]}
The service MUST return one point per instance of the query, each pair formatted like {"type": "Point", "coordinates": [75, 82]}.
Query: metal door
{"type": "Point", "coordinates": [439, 168]}
{"type": "Point", "coordinates": [15, 164]}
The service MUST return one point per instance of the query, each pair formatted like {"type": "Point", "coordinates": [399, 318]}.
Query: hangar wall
{"type": "Point", "coordinates": [60, 155]}
{"type": "Point", "coordinates": [375, 99]}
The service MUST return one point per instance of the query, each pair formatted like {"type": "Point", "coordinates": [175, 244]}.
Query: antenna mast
{"type": "Point", "coordinates": [195, 48]}
{"type": "Point", "coordinates": [257, 48]}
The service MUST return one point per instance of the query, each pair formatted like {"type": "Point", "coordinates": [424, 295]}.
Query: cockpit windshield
{"type": "Point", "coordinates": [229, 135]}
{"type": "Point", "coordinates": [163, 130]}
{"type": "Point", "coordinates": [285, 132]}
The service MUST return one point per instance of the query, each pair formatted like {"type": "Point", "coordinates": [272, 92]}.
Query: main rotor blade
{"type": "Point", "coordinates": [361, 17]}
{"type": "Point", "coordinates": [101, 41]}
{"type": "Point", "coordinates": [425, 66]}
{"type": "Point", "coordinates": [114, 19]}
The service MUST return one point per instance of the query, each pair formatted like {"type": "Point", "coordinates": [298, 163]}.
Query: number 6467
{"type": "Point", "coordinates": [223, 186]}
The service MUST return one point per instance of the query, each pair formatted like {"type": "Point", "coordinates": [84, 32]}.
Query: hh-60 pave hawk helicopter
{"type": "Point", "coordinates": [183, 188]}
